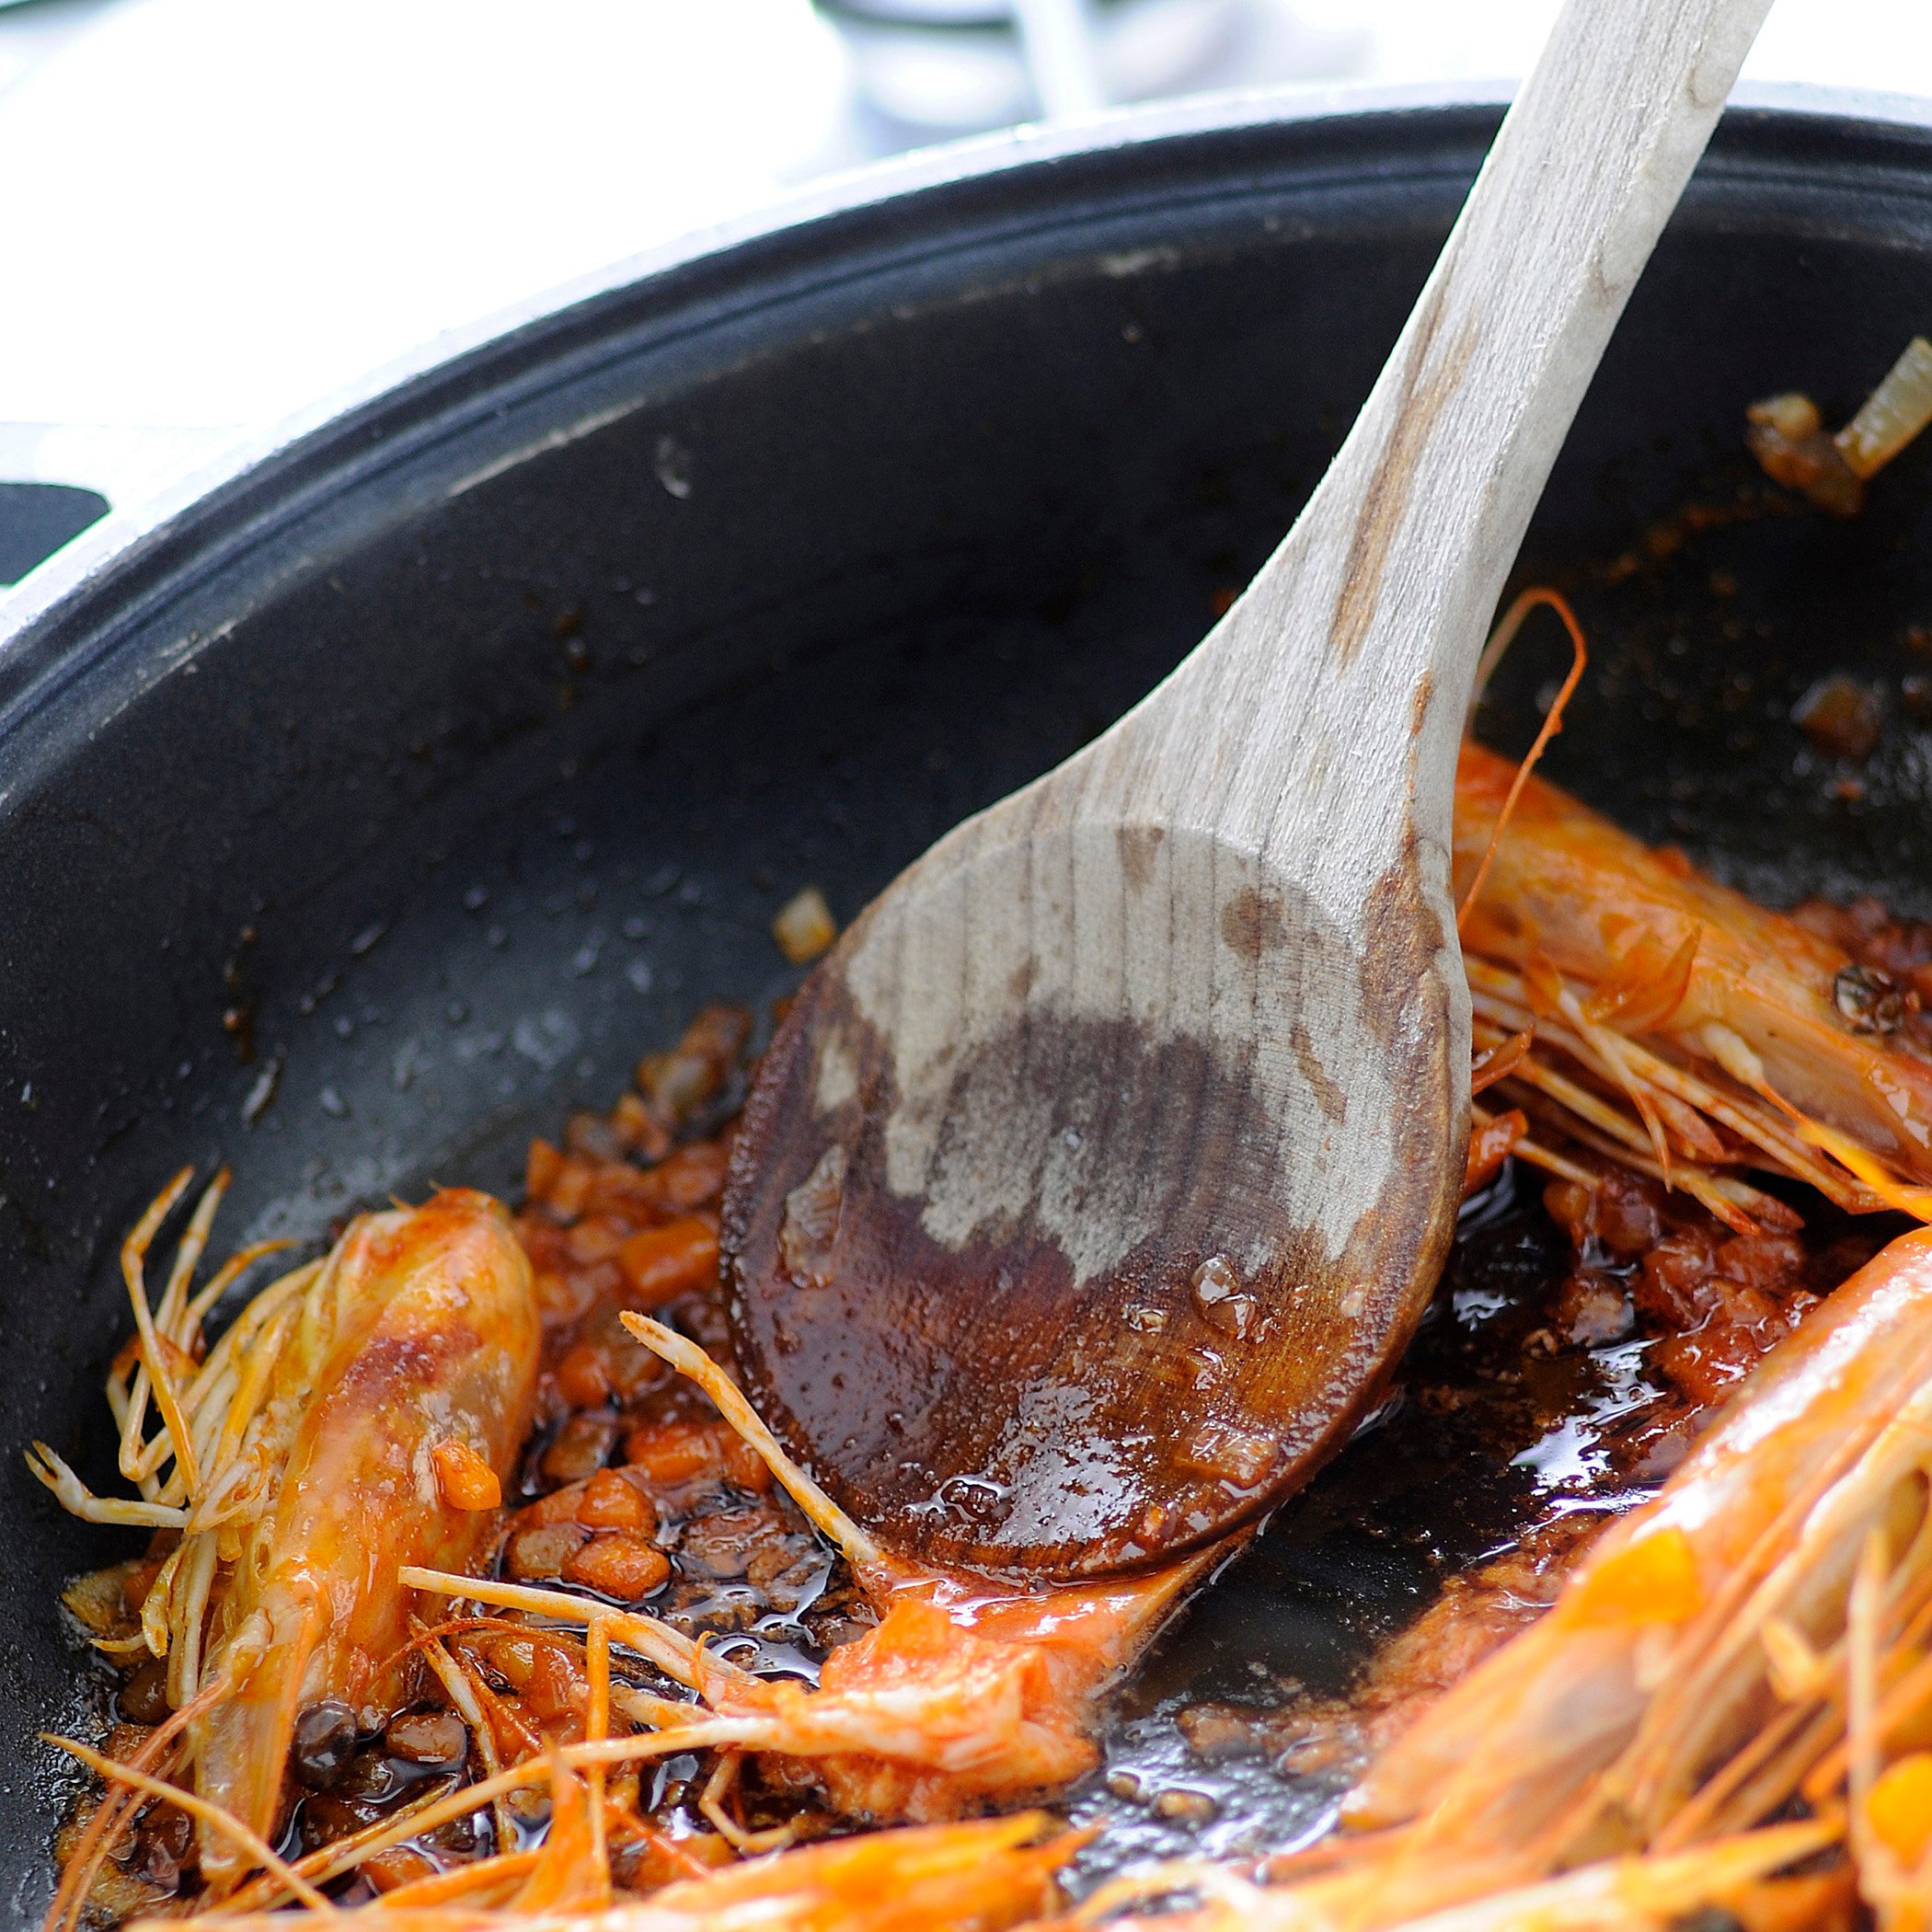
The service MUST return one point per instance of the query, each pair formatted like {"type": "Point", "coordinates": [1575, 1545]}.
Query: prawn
{"type": "Point", "coordinates": [978, 1877]}
{"type": "Point", "coordinates": [1737, 1035]}
{"type": "Point", "coordinates": [964, 1693]}
{"type": "Point", "coordinates": [1751, 1647]}
{"type": "Point", "coordinates": [1757, 1640]}
{"type": "Point", "coordinates": [360, 1416]}
{"type": "Point", "coordinates": [1762, 1523]}
{"type": "Point", "coordinates": [419, 1334]}
{"type": "Point", "coordinates": [1554, 1765]}
{"type": "Point", "coordinates": [1631, 1894]}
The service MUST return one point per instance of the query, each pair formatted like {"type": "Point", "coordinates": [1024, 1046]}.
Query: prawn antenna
{"type": "Point", "coordinates": [1500, 641]}
{"type": "Point", "coordinates": [858, 1549]}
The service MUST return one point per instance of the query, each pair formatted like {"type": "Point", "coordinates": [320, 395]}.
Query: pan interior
{"type": "Point", "coordinates": [395, 815]}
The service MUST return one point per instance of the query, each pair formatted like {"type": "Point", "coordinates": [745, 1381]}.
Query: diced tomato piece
{"type": "Point", "coordinates": [620, 1564]}
{"type": "Point", "coordinates": [692, 1177]}
{"type": "Point", "coordinates": [467, 1481]}
{"type": "Point", "coordinates": [667, 1454]}
{"type": "Point", "coordinates": [583, 1377]}
{"type": "Point", "coordinates": [533, 1555]}
{"type": "Point", "coordinates": [661, 1263]}
{"type": "Point", "coordinates": [540, 1171]}
{"type": "Point", "coordinates": [1490, 1146]}
{"type": "Point", "coordinates": [611, 1502]}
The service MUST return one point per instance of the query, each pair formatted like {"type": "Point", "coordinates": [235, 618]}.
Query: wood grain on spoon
{"type": "Point", "coordinates": [1095, 1180]}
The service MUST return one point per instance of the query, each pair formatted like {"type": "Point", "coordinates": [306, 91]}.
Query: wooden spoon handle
{"type": "Point", "coordinates": [1378, 600]}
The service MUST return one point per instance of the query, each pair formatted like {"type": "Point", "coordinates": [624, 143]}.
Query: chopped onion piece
{"type": "Point", "coordinates": [1793, 416]}
{"type": "Point", "coordinates": [1787, 436]}
{"type": "Point", "coordinates": [804, 928]}
{"type": "Point", "coordinates": [1894, 413]}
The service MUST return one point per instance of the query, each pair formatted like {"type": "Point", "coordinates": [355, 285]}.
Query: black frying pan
{"type": "Point", "coordinates": [457, 748]}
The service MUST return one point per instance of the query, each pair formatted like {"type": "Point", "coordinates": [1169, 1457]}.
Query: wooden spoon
{"type": "Point", "coordinates": [1095, 1180]}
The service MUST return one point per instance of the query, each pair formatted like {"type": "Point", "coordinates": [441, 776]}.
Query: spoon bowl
{"type": "Point", "coordinates": [1002, 1345]}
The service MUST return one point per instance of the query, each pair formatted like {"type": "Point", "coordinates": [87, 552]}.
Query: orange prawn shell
{"type": "Point", "coordinates": [965, 1693]}
{"type": "Point", "coordinates": [1569, 886]}
{"type": "Point", "coordinates": [423, 1329]}
{"type": "Point", "coordinates": [1509, 1747]}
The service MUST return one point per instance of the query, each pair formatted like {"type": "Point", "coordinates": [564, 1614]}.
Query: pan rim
{"type": "Point", "coordinates": [91, 567]}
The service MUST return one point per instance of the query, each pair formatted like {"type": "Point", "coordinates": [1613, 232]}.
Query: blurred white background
{"type": "Point", "coordinates": [216, 210]}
